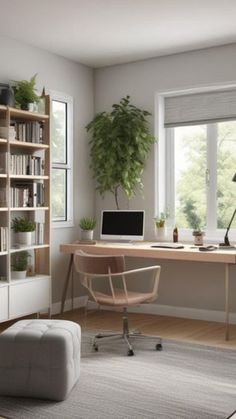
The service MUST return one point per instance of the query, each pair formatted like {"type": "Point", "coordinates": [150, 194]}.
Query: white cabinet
{"type": "Point", "coordinates": [29, 296]}
{"type": "Point", "coordinates": [4, 303]}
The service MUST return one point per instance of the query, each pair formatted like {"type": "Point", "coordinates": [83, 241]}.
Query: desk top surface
{"type": "Point", "coordinates": [144, 249]}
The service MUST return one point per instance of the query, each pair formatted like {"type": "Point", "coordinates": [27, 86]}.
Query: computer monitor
{"type": "Point", "coordinates": [121, 225]}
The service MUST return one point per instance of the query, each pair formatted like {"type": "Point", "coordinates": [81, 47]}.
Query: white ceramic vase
{"type": "Point", "coordinates": [25, 238]}
{"type": "Point", "coordinates": [160, 233]}
{"type": "Point", "coordinates": [18, 274]}
{"type": "Point", "coordinates": [87, 235]}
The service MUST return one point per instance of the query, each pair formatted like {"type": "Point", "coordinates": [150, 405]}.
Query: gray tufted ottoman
{"type": "Point", "coordinates": [40, 358]}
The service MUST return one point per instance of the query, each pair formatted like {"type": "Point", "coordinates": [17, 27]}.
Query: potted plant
{"type": "Point", "coordinates": [19, 265]}
{"type": "Point", "coordinates": [160, 225]}
{"type": "Point", "coordinates": [25, 93]}
{"type": "Point", "coordinates": [119, 146]}
{"type": "Point", "coordinates": [87, 225]}
{"type": "Point", "coordinates": [194, 221]}
{"type": "Point", "coordinates": [24, 228]}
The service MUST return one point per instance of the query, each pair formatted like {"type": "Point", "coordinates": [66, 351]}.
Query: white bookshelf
{"type": "Point", "coordinates": [20, 297]}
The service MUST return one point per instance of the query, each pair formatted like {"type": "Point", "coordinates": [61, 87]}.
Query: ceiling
{"type": "Point", "coordinates": [105, 32]}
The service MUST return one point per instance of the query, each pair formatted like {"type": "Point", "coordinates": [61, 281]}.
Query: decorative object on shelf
{"type": "Point", "coordinates": [7, 95]}
{"type": "Point", "coordinates": [226, 244]}
{"type": "Point", "coordinates": [194, 222]}
{"type": "Point", "coordinates": [160, 226]}
{"type": "Point", "coordinates": [120, 143]}
{"type": "Point", "coordinates": [25, 93]}
{"type": "Point", "coordinates": [175, 235]}
{"type": "Point", "coordinates": [41, 103]}
{"type": "Point", "coordinates": [24, 228]}
{"type": "Point", "coordinates": [19, 265]}
{"type": "Point", "coordinates": [87, 225]}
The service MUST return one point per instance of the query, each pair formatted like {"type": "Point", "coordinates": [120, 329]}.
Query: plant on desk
{"type": "Point", "coordinates": [160, 225]}
{"type": "Point", "coordinates": [87, 225]}
{"type": "Point", "coordinates": [194, 222]}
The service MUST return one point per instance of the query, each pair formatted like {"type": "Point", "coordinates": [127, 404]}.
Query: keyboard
{"type": "Point", "coordinates": [168, 246]}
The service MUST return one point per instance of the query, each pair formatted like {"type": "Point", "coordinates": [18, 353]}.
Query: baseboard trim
{"type": "Point", "coordinates": [163, 310]}
{"type": "Point", "coordinates": [78, 303]}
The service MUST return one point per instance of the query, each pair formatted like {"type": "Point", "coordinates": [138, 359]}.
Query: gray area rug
{"type": "Point", "coordinates": [182, 381]}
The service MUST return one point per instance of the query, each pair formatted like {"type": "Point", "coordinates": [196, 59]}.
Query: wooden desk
{"type": "Point", "coordinates": [144, 249]}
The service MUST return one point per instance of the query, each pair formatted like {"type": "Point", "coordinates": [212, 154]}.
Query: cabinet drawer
{"type": "Point", "coordinates": [3, 303]}
{"type": "Point", "coordinates": [29, 297]}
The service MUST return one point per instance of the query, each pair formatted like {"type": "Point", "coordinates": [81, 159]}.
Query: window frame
{"type": "Point", "coordinates": [68, 166]}
{"type": "Point", "coordinates": [164, 169]}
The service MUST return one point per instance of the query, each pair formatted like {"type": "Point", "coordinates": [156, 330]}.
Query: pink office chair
{"type": "Point", "coordinates": [118, 293]}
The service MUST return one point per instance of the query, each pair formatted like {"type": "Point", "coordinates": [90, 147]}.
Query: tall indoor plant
{"type": "Point", "coordinates": [120, 142]}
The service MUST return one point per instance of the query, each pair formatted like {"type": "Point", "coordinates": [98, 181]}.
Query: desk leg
{"type": "Point", "coordinates": [68, 276]}
{"type": "Point", "coordinates": [226, 301]}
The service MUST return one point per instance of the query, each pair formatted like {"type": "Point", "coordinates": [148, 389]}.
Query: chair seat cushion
{"type": "Point", "coordinates": [40, 358]}
{"type": "Point", "coordinates": [120, 298]}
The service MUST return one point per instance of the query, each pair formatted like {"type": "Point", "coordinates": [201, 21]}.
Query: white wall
{"type": "Point", "coordinates": [20, 61]}
{"type": "Point", "coordinates": [191, 285]}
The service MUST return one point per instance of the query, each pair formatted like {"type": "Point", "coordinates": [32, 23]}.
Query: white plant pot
{"type": "Point", "coordinates": [18, 274]}
{"type": "Point", "coordinates": [86, 234]}
{"type": "Point", "coordinates": [160, 233]}
{"type": "Point", "coordinates": [25, 238]}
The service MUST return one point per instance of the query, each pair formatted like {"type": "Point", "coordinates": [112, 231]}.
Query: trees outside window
{"type": "Point", "coordinates": [204, 164]}
{"type": "Point", "coordinates": [61, 152]}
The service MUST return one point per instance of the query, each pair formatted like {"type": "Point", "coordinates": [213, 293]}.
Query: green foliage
{"type": "Point", "coordinates": [192, 218]}
{"type": "Point", "coordinates": [20, 261]}
{"type": "Point", "coordinates": [25, 93]}
{"type": "Point", "coordinates": [87, 223]}
{"type": "Point", "coordinates": [191, 183]}
{"type": "Point", "coordinates": [22, 224]}
{"type": "Point", "coordinates": [119, 147]}
{"type": "Point", "coordinates": [160, 221]}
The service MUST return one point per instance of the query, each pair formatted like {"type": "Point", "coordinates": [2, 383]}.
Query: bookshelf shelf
{"type": "Point", "coordinates": [24, 184]}
{"type": "Point", "coordinates": [29, 209]}
{"type": "Point", "coordinates": [29, 177]}
{"type": "Point", "coordinates": [28, 145]}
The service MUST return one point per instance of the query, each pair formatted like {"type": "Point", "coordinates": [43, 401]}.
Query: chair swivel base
{"type": "Point", "coordinates": [126, 335]}
{"type": "Point", "coordinates": [126, 338]}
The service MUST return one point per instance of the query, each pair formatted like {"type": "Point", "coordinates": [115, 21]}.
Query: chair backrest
{"type": "Point", "coordinates": [98, 264]}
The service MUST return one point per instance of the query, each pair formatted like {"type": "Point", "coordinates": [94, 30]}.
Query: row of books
{"type": "Point", "coordinates": [39, 233]}
{"type": "Point", "coordinates": [27, 194]}
{"type": "Point", "coordinates": [3, 198]}
{"type": "Point", "coordinates": [3, 239]}
{"type": "Point", "coordinates": [3, 162]}
{"type": "Point", "coordinates": [30, 131]}
{"type": "Point", "coordinates": [25, 164]}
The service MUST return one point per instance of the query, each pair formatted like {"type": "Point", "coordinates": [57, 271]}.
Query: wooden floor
{"type": "Point", "coordinates": [196, 331]}
{"type": "Point", "coordinates": [193, 331]}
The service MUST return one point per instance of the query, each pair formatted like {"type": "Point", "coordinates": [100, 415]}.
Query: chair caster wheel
{"type": "Point", "coordinates": [158, 347]}
{"type": "Point", "coordinates": [95, 347]}
{"type": "Point", "coordinates": [130, 352]}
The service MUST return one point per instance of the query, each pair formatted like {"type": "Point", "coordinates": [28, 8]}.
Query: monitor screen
{"type": "Point", "coordinates": [122, 225]}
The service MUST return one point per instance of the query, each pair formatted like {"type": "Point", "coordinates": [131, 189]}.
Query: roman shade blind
{"type": "Point", "coordinates": [200, 108]}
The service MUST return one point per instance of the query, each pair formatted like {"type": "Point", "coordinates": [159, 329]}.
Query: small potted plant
{"type": "Point", "coordinates": [24, 228]}
{"type": "Point", "coordinates": [194, 222]}
{"type": "Point", "coordinates": [87, 225]}
{"type": "Point", "coordinates": [25, 93]}
{"type": "Point", "coordinates": [19, 265]}
{"type": "Point", "coordinates": [160, 225]}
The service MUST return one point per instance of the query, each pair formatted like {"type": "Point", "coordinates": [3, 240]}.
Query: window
{"type": "Point", "coordinates": [195, 180]}
{"type": "Point", "coordinates": [61, 156]}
